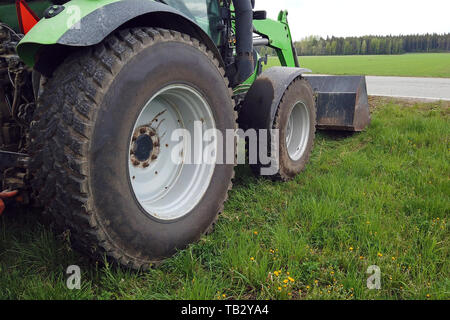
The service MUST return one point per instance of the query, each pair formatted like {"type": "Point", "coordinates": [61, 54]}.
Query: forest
{"type": "Point", "coordinates": [373, 45]}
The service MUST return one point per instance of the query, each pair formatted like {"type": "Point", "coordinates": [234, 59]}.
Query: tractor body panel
{"type": "Point", "coordinates": [8, 11]}
{"type": "Point", "coordinates": [85, 22]}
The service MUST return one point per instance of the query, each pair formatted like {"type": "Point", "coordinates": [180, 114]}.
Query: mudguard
{"type": "Point", "coordinates": [86, 22]}
{"type": "Point", "coordinates": [265, 96]}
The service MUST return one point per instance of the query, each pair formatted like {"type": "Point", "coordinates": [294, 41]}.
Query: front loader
{"type": "Point", "coordinates": [102, 102]}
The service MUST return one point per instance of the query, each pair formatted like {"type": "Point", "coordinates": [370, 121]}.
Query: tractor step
{"type": "Point", "coordinates": [342, 102]}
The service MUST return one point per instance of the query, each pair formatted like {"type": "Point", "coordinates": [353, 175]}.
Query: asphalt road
{"type": "Point", "coordinates": [414, 88]}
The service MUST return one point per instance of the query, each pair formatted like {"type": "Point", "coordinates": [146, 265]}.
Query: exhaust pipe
{"type": "Point", "coordinates": [244, 39]}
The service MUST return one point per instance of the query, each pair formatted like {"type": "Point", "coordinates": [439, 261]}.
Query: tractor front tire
{"type": "Point", "coordinates": [295, 120]}
{"type": "Point", "coordinates": [100, 145]}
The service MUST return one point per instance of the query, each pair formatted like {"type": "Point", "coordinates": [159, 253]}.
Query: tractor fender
{"type": "Point", "coordinates": [56, 36]}
{"type": "Point", "coordinates": [262, 100]}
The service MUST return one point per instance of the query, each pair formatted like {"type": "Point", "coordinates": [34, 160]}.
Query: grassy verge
{"type": "Point", "coordinates": [408, 65]}
{"type": "Point", "coordinates": [377, 198]}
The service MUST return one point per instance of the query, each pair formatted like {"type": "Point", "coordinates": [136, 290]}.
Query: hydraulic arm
{"type": "Point", "coordinates": [279, 38]}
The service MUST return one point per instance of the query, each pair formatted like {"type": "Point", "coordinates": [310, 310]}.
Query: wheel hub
{"type": "Point", "coordinates": [144, 147]}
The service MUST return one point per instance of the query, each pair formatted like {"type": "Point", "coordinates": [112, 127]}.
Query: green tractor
{"type": "Point", "coordinates": [98, 97]}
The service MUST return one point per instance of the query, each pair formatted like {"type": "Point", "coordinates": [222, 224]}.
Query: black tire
{"type": "Point", "coordinates": [80, 137]}
{"type": "Point", "coordinates": [298, 91]}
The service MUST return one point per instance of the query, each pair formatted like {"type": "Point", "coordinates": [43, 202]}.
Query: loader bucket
{"type": "Point", "coordinates": [342, 102]}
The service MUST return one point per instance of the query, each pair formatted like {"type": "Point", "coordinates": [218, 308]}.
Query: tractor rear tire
{"type": "Point", "coordinates": [83, 133]}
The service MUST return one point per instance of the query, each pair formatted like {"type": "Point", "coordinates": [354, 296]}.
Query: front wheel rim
{"type": "Point", "coordinates": [298, 131]}
{"type": "Point", "coordinates": [168, 188]}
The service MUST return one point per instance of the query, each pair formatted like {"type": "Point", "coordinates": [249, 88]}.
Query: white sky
{"type": "Point", "coordinates": [361, 17]}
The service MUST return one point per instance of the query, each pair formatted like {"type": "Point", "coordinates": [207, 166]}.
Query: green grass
{"type": "Point", "coordinates": [408, 65]}
{"type": "Point", "coordinates": [381, 197]}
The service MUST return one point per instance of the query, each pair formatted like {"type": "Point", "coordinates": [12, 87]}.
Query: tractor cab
{"type": "Point", "coordinates": [206, 13]}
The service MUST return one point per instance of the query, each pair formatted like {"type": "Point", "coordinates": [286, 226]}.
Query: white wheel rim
{"type": "Point", "coordinates": [297, 131]}
{"type": "Point", "coordinates": [168, 189]}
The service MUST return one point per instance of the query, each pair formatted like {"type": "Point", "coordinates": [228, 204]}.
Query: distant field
{"type": "Point", "coordinates": [408, 65]}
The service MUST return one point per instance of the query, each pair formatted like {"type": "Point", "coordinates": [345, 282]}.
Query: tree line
{"type": "Point", "coordinates": [316, 46]}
